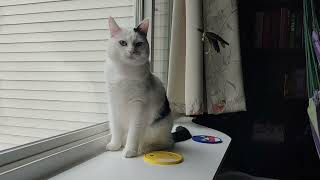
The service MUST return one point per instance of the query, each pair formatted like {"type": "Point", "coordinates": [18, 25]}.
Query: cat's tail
{"type": "Point", "coordinates": [181, 134]}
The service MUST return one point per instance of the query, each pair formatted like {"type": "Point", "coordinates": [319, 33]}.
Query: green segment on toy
{"type": "Point", "coordinates": [163, 158]}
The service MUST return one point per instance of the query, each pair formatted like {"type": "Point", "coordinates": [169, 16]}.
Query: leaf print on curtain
{"type": "Point", "coordinates": [223, 72]}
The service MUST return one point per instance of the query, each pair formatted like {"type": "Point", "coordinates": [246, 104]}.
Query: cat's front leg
{"type": "Point", "coordinates": [116, 132]}
{"type": "Point", "coordinates": [136, 129]}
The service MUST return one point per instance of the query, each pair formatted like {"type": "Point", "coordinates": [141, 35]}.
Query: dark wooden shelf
{"type": "Point", "coordinates": [263, 4]}
{"type": "Point", "coordinates": [279, 51]}
{"type": "Point", "coordinates": [297, 99]}
{"type": "Point", "coordinates": [289, 56]}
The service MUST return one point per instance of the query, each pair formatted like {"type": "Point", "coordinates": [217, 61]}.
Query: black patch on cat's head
{"type": "Point", "coordinates": [138, 30]}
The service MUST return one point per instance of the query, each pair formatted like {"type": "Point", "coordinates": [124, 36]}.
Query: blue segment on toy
{"type": "Point", "coordinates": [206, 139]}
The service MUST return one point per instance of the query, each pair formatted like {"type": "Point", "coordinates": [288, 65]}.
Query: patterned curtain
{"type": "Point", "coordinates": [200, 79]}
{"type": "Point", "coordinates": [223, 73]}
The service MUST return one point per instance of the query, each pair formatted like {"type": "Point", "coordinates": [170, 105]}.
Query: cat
{"type": "Point", "coordinates": [139, 112]}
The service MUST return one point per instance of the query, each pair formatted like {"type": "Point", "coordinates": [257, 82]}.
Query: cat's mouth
{"type": "Point", "coordinates": [132, 56]}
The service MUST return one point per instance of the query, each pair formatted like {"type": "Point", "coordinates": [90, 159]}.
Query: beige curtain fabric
{"type": "Point", "coordinates": [222, 72]}
{"type": "Point", "coordinates": [185, 76]}
{"type": "Point", "coordinates": [224, 84]}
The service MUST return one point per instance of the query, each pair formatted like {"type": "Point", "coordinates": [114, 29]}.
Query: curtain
{"type": "Point", "coordinates": [200, 80]}
{"type": "Point", "coordinates": [185, 76]}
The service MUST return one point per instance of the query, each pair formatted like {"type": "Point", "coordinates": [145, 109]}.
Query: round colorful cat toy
{"type": "Point", "coordinates": [207, 139]}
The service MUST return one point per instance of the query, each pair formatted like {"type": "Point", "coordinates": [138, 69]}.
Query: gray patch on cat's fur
{"type": "Point", "coordinates": [164, 111]}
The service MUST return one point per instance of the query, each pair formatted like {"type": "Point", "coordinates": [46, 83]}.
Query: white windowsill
{"type": "Point", "coordinates": [201, 162]}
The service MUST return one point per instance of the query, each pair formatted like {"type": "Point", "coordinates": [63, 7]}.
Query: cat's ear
{"type": "Point", "coordinates": [143, 26]}
{"type": "Point", "coordinates": [113, 27]}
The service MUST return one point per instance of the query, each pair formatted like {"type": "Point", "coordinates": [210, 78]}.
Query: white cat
{"type": "Point", "coordinates": [139, 113]}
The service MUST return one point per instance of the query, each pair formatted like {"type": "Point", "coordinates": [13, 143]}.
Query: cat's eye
{"type": "Point", "coordinates": [138, 44]}
{"type": "Point", "coordinates": [123, 43]}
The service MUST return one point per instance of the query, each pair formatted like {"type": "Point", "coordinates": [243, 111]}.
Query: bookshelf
{"type": "Point", "coordinates": [274, 77]}
{"type": "Point", "coordinates": [269, 65]}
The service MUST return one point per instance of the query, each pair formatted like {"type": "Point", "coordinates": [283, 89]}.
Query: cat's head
{"type": "Point", "coordinates": [129, 46]}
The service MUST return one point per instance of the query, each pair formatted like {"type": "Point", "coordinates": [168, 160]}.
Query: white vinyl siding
{"type": "Point", "coordinates": [52, 55]}
{"type": "Point", "coordinates": [161, 39]}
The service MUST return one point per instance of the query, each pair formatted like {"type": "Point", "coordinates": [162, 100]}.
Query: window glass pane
{"type": "Point", "coordinates": [161, 39]}
{"type": "Point", "coordinates": [52, 57]}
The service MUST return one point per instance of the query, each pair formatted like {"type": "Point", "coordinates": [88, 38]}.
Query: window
{"type": "Point", "coordinates": [52, 87]}
{"type": "Point", "coordinates": [52, 55]}
{"type": "Point", "coordinates": [162, 18]}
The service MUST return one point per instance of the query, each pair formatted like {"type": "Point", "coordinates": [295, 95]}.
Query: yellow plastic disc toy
{"type": "Point", "coordinates": [163, 158]}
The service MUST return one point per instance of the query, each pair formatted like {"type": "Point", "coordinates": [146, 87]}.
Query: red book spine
{"type": "Point", "coordinates": [275, 33]}
{"type": "Point", "coordinates": [266, 34]}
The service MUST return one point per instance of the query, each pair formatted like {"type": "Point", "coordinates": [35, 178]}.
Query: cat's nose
{"type": "Point", "coordinates": [131, 51]}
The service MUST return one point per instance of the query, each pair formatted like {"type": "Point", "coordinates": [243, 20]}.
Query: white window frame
{"type": "Point", "coordinates": [148, 12]}
{"type": "Point", "coordinates": [47, 157]}
{"type": "Point", "coordinates": [51, 162]}
{"type": "Point", "coordinates": [27, 150]}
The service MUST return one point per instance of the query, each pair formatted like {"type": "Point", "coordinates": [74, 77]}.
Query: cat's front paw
{"type": "Point", "coordinates": [113, 146]}
{"type": "Point", "coordinates": [129, 153]}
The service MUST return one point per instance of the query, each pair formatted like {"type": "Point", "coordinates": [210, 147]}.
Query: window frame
{"type": "Point", "coordinates": [148, 12]}
{"type": "Point", "coordinates": [48, 156]}
{"type": "Point", "coordinates": [51, 162]}
{"type": "Point", "coordinates": [27, 150]}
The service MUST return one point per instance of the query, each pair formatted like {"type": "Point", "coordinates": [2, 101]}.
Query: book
{"type": "Point", "coordinates": [283, 39]}
{"type": "Point", "coordinates": [258, 29]}
{"type": "Point", "coordinates": [267, 28]}
{"type": "Point", "coordinates": [268, 132]}
{"type": "Point", "coordinates": [292, 21]}
{"type": "Point", "coordinates": [275, 26]}
{"type": "Point", "coordinates": [278, 28]}
{"type": "Point", "coordinates": [298, 30]}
